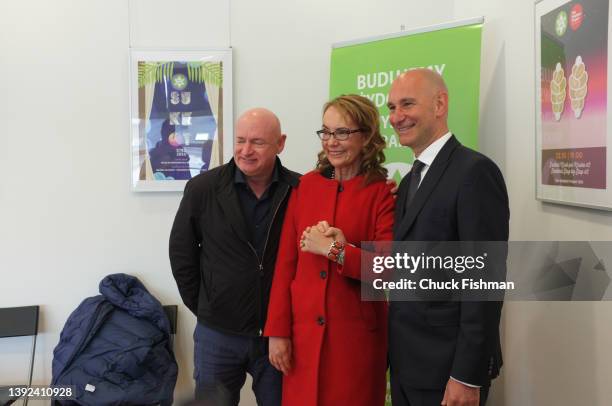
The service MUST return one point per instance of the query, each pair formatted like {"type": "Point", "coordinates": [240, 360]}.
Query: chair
{"type": "Point", "coordinates": [172, 314]}
{"type": "Point", "coordinates": [20, 322]}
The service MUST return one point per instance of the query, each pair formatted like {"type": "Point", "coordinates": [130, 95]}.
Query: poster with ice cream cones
{"type": "Point", "coordinates": [572, 115]}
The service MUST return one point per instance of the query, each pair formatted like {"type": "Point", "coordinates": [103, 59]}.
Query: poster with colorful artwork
{"type": "Point", "coordinates": [181, 116]}
{"type": "Point", "coordinates": [572, 119]}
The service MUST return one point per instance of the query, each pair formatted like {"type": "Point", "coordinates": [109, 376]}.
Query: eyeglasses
{"type": "Point", "coordinates": [341, 134]}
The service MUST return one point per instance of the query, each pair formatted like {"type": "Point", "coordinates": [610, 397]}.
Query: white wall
{"type": "Point", "coordinates": [67, 215]}
{"type": "Point", "coordinates": [555, 353]}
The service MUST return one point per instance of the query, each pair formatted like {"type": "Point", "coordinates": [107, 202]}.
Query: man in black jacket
{"type": "Point", "coordinates": [223, 248]}
{"type": "Point", "coordinates": [442, 352]}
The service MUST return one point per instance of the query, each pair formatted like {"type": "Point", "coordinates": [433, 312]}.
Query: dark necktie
{"type": "Point", "coordinates": [415, 179]}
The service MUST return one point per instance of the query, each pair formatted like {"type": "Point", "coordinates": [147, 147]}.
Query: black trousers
{"type": "Point", "coordinates": [405, 396]}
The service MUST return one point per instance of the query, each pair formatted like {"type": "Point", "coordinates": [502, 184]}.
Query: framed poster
{"type": "Point", "coordinates": [180, 115]}
{"type": "Point", "coordinates": [573, 132]}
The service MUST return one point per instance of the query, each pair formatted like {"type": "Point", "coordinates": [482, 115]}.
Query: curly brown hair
{"type": "Point", "coordinates": [365, 115]}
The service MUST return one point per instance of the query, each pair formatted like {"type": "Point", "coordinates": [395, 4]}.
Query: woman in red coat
{"type": "Point", "coordinates": [330, 345]}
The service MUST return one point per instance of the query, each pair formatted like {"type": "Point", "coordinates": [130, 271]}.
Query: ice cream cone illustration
{"type": "Point", "coordinates": [557, 91]}
{"type": "Point", "coordinates": [578, 86]}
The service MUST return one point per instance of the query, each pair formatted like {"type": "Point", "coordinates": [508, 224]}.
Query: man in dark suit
{"type": "Point", "coordinates": [442, 352]}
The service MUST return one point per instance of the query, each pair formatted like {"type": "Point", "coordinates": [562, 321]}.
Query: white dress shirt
{"type": "Point", "coordinates": [429, 154]}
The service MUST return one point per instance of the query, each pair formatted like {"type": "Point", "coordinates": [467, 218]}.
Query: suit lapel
{"type": "Point", "coordinates": [427, 186]}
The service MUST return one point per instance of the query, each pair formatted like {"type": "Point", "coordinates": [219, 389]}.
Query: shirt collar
{"type": "Point", "coordinates": [240, 177]}
{"type": "Point", "coordinates": [429, 154]}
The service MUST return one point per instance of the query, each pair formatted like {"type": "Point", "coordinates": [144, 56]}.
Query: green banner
{"type": "Point", "coordinates": [369, 67]}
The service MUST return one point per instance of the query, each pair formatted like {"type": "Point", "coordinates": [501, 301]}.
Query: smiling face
{"type": "Point", "coordinates": [258, 141]}
{"type": "Point", "coordinates": [418, 106]}
{"type": "Point", "coordinates": [345, 154]}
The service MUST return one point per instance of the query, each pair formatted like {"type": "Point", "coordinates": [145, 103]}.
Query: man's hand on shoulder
{"type": "Point", "coordinates": [458, 394]}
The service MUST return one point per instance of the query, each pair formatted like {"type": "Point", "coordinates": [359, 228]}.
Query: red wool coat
{"type": "Point", "coordinates": [339, 342]}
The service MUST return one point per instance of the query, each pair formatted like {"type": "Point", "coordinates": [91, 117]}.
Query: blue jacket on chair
{"type": "Point", "coordinates": [115, 347]}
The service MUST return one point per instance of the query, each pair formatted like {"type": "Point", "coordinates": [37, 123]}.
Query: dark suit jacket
{"type": "Point", "coordinates": [461, 198]}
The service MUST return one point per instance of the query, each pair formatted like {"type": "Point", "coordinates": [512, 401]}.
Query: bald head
{"type": "Point", "coordinates": [261, 118]}
{"type": "Point", "coordinates": [258, 140]}
{"type": "Point", "coordinates": [418, 108]}
{"type": "Point", "coordinates": [427, 79]}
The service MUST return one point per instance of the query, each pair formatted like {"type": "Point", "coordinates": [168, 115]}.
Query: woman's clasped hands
{"type": "Point", "coordinates": [317, 239]}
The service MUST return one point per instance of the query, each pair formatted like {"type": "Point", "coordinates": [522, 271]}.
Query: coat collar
{"type": "Point", "coordinates": [229, 201]}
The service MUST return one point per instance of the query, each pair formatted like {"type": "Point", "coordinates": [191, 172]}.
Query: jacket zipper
{"type": "Point", "coordinates": [260, 260]}
{"type": "Point", "coordinates": [270, 225]}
